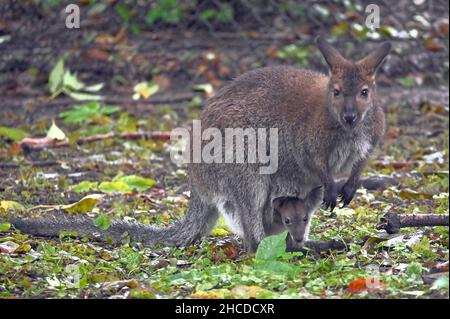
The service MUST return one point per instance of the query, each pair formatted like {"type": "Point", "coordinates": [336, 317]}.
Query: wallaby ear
{"type": "Point", "coordinates": [331, 55]}
{"type": "Point", "coordinates": [374, 59]}
{"type": "Point", "coordinates": [278, 202]}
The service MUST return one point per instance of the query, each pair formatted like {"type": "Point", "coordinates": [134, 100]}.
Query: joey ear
{"type": "Point", "coordinates": [374, 59]}
{"type": "Point", "coordinates": [314, 195]}
{"type": "Point", "coordinates": [331, 55]}
{"type": "Point", "coordinates": [277, 203]}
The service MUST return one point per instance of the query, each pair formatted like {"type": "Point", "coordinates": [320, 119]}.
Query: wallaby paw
{"type": "Point", "coordinates": [330, 199]}
{"type": "Point", "coordinates": [347, 193]}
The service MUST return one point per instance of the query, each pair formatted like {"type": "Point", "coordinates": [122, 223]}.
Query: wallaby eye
{"type": "Point", "coordinates": [365, 93]}
{"type": "Point", "coordinates": [336, 92]}
{"type": "Point", "coordinates": [305, 219]}
{"type": "Point", "coordinates": [287, 221]}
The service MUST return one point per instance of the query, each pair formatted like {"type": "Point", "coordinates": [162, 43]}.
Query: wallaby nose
{"type": "Point", "coordinates": [350, 118]}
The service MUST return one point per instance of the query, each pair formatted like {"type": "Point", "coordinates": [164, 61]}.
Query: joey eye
{"type": "Point", "coordinates": [365, 93]}
{"type": "Point", "coordinates": [287, 221]}
{"type": "Point", "coordinates": [336, 92]}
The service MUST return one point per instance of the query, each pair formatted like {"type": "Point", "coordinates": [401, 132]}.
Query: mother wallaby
{"type": "Point", "coordinates": [327, 126]}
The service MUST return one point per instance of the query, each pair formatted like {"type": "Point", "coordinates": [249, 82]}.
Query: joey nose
{"type": "Point", "coordinates": [350, 118]}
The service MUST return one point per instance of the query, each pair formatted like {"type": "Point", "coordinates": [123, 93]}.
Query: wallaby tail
{"type": "Point", "coordinates": [197, 221]}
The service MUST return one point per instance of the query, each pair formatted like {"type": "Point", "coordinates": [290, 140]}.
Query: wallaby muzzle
{"type": "Point", "coordinates": [350, 115]}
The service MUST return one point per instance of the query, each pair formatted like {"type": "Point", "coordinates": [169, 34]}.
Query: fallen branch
{"type": "Point", "coordinates": [38, 144]}
{"type": "Point", "coordinates": [34, 164]}
{"type": "Point", "coordinates": [392, 222]}
{"type": "Point", "coordinates": [442, 267]}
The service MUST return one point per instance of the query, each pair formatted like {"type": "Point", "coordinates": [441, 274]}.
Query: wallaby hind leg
{"type": "Point", "coordinates": [253, 229]}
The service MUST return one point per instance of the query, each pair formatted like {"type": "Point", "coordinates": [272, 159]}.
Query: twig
{"type": "Point", "coordinates": [34, 164]}
{"type": "Point", "coordinates": [38, 144]}
{"type": "Point", "coordinates": [392, 222]}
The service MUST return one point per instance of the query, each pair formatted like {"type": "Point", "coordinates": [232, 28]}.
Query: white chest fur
{"type": "Point", "coordinates": [347, 152]}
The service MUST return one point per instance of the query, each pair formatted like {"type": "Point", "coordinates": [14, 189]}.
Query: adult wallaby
{"type": "Point", "coordinates": [327, 127]}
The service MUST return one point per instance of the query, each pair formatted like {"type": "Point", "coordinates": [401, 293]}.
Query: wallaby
{"type": "Point", "coordinates": [294, 214]}
{"type": "Point", "coordinates": [327, 127]}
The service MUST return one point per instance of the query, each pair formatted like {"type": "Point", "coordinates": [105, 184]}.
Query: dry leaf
{"type": "Point", "coordinates": [8, 247]}
{"type": "Point", "coordinates": [364, 284]}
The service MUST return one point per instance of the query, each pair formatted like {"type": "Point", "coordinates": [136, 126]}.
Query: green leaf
{"type": "Point", "coordinates": [272, 247]}
{"type": "Point", "coordinates": [94, 87]}
{"type": "Point", "coordinates": [226, 13]}
{"type": "Point", "coordinates": [407, 81]}
{"type": "Point", "coordinates": [55, 133]}
{"type": "Point", "coordinates": [71, 81]}
{"type": "Point", "coordinates": [440, 283]}
{"type": "Point", "coordinates": [219, 232]}
{"type": "Point", "coordinates": [277, 267]}
{"type": "Point", "coordinates": [103, 222]}
{"type": "Point", "coordinates": [115, 187]}
{"type": "Point", "coordinates": [87, 112]}
{"type": "Point", "coordinates": [208, 14]}
{"type": "Point", "coordinates": [85, 186]}
{"type": "Point", "coordinates": [14, 134]}
{"type": "Point", "coordinates": [124, 13]}
{"type": "Point", "coordinates": [55, 80]}
{"type": "Point", "coordinates": [5, 226]}
{"type": "Point", "coordinates": [136, 182]}
{"type": "Point", "coordinates": [83, 96]}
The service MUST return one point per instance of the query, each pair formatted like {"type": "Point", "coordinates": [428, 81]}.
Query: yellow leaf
{"type": "Point", "coordinates": [84, 205]}
{"type": "Point", "coordinates": [246, 292]}
{"type": "Point", "coordinates": [11, 205]}
{"type": "Point", "coordinates": [219, 232]}
{"type": "Point", "coordinates": [211, 294]}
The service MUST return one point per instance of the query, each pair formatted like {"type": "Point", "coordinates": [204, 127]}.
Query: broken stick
{"type": "Point", "coordinates": [392, 222]}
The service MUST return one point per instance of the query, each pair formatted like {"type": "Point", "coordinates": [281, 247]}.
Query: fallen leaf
{"type": "Point", "coordinates": [97, 54]}
{"type": "Point", "coordinates": [211, 294]}
{"type": "Point", "coordinates": [8, 247]}
{"type": "Point", "coordinates": [219, 232]}
{"type": "Point", "coordinates": [412, 194]}
{"type": "Point", "coordinates": [103, 222]}
{"type": "Point", "coordinates": [14, 134]}
{"type": "Point", "coordinates": [84, 205]}
{"type": "Point", "coordinates": [364, 284]}
{"type": "Point", "coordinates": [55, 133]}
{"type": "Point", "coordinates": [5, 226]}
{"type": "Point", "coordinates": [7, 205]}
{"type": "Point", "coordinates": [432, 45]}
{"type": "Point", "coordinates": [246, 292]}
{"type": "Point", "coordinates": [132, 283]}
